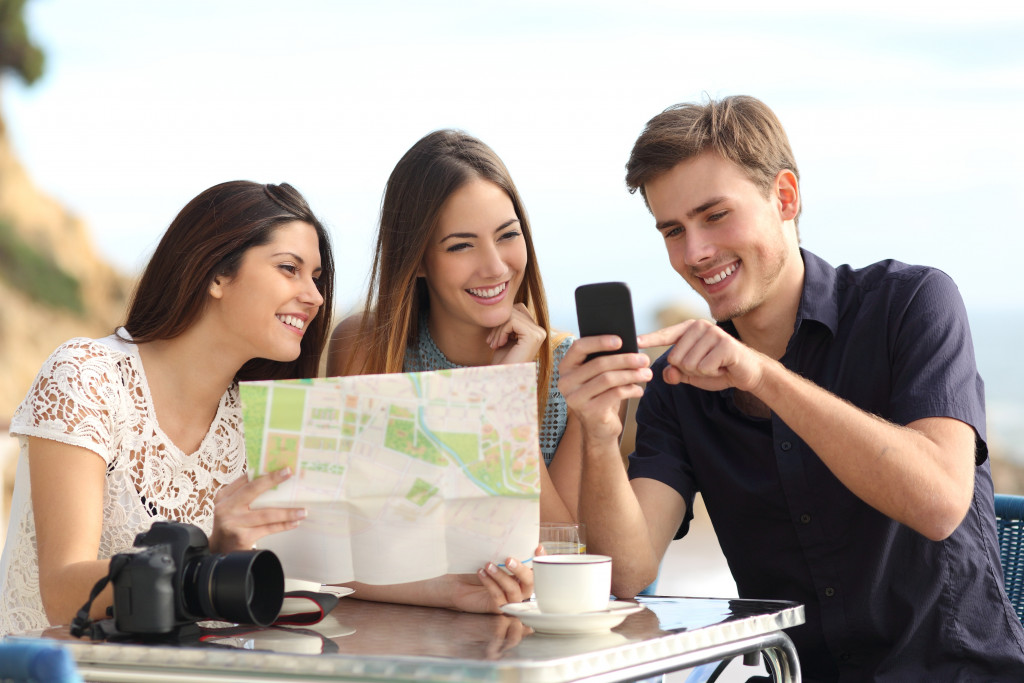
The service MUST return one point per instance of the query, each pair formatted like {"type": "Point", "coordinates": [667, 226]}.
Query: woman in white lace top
{"type": "Point", "coordinates": [145, 425]}
{"type": "Point", "coordinates": [455, 283]}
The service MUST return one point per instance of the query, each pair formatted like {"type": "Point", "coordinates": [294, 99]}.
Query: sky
{"type": "Point", "coordinates": [905, 123]}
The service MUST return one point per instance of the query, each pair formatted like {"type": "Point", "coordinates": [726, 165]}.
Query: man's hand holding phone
{"type": "Point", "coordinates": [603, 367]}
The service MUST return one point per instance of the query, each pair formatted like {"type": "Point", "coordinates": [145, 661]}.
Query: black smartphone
{"type": "Point", "coordinates": [606, 308]}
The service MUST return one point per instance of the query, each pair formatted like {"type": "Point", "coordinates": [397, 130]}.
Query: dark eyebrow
{"type": "Point", "coordinates": [472, 235]}
{"type": "Point", "coordinates": [295, 256]}
{"type": "Point", "coordinates": [507, 223]}
{"type": "Point", "coordinates": [692, 212]}
{"type": "Point", "coordinates": [704, 207]}
{"type": "Point", "coordinates": [459, 236]}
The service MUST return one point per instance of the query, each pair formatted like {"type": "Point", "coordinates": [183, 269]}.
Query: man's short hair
{"type": "Point", "coordinates": [740, 128]}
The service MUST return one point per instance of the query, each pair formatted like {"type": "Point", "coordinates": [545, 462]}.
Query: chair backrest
{"type": "Point", "coordinates": [1010, 528]}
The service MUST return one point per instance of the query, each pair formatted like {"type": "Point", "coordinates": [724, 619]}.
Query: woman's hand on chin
{"type": "Point", "coordinates": [518, 340]}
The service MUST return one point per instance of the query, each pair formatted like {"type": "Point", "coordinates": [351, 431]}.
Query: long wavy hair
{"type": "Point", "coordinates": [424, 178]}
{"type": "Point", "coordinates": [208, 239]}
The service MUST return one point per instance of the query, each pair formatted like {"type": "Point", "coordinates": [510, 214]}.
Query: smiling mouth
{"type": "Point", "coordinates": [715, 279]}
{"type": "Point", "coordinates": [489, 292]}
{"type": "Point", "coordinates": [292, 321]}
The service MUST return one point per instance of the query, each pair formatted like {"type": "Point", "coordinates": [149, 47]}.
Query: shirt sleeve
{"type": "Point", "coordinates": [73, 399]}
{"type": "Point", "coordinates": [934, 372]}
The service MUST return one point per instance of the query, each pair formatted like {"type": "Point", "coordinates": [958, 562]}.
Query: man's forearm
{"type": "Point", "coordinates": [920, 475]}
{"type": "Point", "coordinates": [616, 524]}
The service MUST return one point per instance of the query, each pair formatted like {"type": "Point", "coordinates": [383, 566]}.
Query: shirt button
{"type": "Point", "coordinates": [805, 518]}
{"type": "Point", "coordinates": [830, 591]}
{"type": "Point", "coordinates": [785, 445]}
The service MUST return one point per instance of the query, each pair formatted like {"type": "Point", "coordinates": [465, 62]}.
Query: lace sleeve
{"type": "Point", "coordinates": [74, 398]}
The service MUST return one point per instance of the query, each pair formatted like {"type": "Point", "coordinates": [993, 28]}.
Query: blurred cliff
{"type": "Point", "coordinates": [53, 284]}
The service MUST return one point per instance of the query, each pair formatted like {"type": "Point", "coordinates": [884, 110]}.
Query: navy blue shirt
{"type": "Point", "coordinates": [882, 601]}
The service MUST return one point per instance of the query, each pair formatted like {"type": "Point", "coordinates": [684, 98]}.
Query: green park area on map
{"type": "Point", "coordinates": [287, 409]}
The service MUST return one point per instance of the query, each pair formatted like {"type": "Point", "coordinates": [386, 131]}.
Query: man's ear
{"type": "Point", "coordinates": [787, 192]}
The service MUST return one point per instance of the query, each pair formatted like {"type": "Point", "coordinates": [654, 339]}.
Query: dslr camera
{"type": "Point", "coordinates": [174, 581]}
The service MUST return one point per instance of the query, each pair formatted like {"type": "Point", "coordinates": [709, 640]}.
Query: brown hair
{"type": "Point", "coordinates": [740, 128]}
{"type": "Point", "coordinates": [207, 239]}
{"type": "Point", "coordinates": [431, 171]}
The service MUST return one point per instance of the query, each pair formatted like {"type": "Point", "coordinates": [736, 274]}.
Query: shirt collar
{"type": "Point", "coordinates": [819, 299]}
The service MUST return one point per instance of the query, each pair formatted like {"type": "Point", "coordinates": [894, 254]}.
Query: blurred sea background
{"type": "Point", "coordinates": [998, 341]}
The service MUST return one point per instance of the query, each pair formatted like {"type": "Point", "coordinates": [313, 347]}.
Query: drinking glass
{"type": "Point", "coordinates": [559, 538]}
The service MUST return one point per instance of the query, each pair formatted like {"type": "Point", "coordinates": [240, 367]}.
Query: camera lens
{"type": "Point", "coordinates": [245, 587]}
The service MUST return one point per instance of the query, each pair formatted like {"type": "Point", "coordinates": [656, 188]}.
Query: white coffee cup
{"type": "Point", "coordinates": [570, 584]}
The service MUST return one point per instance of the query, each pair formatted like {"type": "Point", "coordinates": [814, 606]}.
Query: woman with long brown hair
{"type": "Point", "coordinates": [455, 283]}
{"type": "Point", "coordinates": [145, 424]}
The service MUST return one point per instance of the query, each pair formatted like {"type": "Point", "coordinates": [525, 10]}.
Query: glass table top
{"type": "Point", "coordinates": [378, 641]}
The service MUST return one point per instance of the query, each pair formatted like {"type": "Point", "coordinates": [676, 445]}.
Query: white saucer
{"type": "Point", "coordinates": [571, 624]}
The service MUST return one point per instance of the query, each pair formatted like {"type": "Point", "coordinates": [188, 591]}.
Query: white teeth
{"type": "Point", "coordinates": [490, 292]}
{"type": "Point", "coordinates": [721, 276]}
{"type": "Point", "coordinates": [295, 322]}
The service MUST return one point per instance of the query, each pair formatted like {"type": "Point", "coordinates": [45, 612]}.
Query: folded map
{"type": "Point", "coordinates": [405, 476]}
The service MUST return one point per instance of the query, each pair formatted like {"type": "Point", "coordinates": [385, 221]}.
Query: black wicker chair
{"type": "Point", "coordinates": [1010, 528]}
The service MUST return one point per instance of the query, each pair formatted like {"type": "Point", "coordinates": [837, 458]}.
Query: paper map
{"type": "Point", "coordinates": [405, 476]}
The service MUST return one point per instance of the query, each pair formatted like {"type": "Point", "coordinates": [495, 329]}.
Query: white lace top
{"type": "Point", "coordinates": [94, 394]}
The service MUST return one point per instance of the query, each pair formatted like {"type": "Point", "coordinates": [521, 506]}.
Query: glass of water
{"type": "Point", "coordinates": [563, 538]}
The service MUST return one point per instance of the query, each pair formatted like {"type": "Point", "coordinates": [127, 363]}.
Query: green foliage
{"type": "Point", "coordinates": [17, 51]}
{"type": "Point", "coordinates": [35, 273]}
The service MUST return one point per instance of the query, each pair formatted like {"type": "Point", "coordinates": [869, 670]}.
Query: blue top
{"type": "Point", "coordinates": [882, 602]}
{"type": "Point", "coordinates": [426, 356]}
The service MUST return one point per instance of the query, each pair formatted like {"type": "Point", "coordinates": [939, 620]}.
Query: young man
{"type": "Point", "coordinates": [833, 421]}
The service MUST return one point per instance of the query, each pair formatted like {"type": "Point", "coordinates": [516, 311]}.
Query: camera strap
{"type": "Point", "coordinates": [82, 625]}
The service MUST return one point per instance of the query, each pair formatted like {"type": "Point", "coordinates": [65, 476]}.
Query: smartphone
{"type": "Point", "coordinates": [606, 308]}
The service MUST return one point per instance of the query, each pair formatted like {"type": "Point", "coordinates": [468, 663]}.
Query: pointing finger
{"type": "Point", "coordinates": [664, 337]}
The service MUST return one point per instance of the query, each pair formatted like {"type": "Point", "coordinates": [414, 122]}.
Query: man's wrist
{"type": "Point", "coordinates": [766, 378]}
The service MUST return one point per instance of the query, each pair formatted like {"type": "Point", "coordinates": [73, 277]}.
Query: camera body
{"type": "Point", "coordinates": [175, 581]}
{"type": "Point", "coordinates": [148, 594]}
